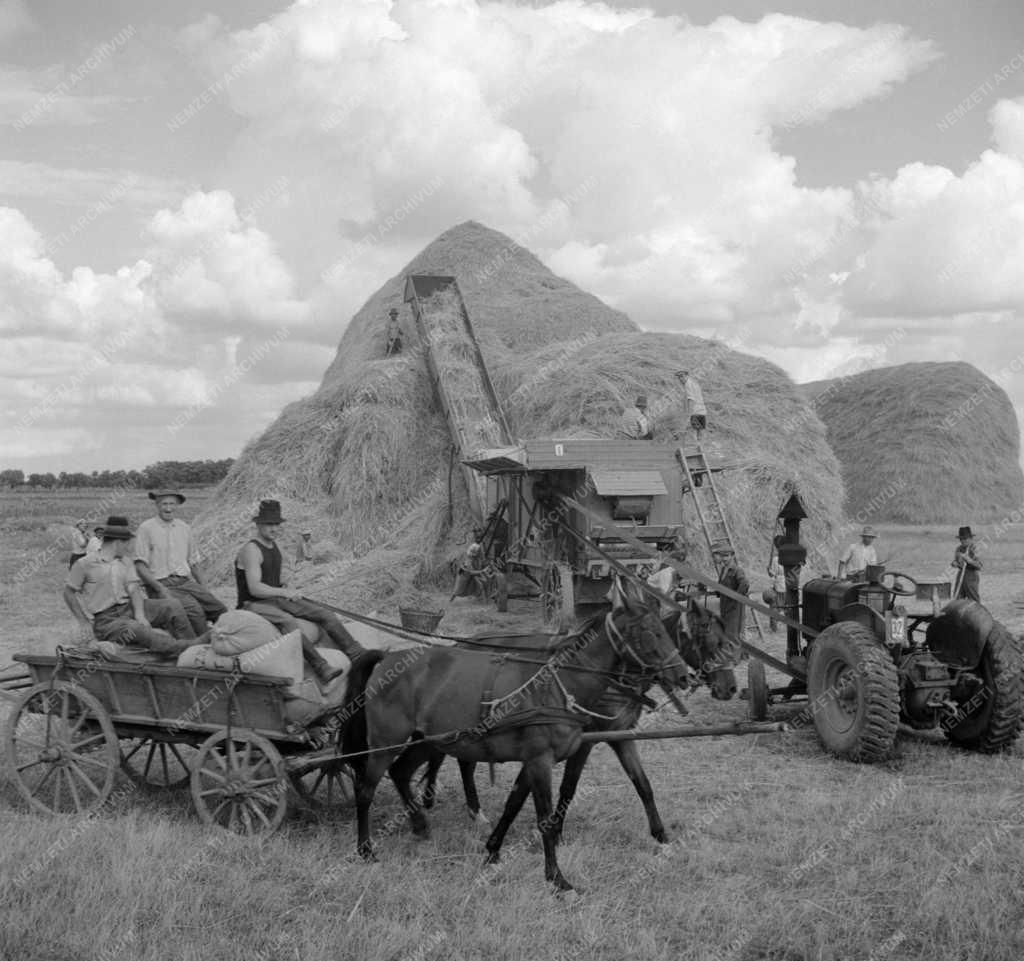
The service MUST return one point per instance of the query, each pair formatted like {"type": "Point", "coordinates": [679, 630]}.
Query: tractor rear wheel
{"type": "Point", "coordinates": [990, 721]}
{"type": "Point", "coordinates": [853, 689]}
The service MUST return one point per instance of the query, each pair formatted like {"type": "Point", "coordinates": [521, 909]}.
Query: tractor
{"type": "Point", "coordinates": [870, 658]}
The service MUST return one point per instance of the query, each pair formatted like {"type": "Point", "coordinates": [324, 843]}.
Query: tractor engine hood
{"type": "Point", "coordinates": [957, 636]}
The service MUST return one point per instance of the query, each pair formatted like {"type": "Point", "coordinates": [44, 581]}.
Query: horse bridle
{"type": "Point", "coordinates": [625, 651]}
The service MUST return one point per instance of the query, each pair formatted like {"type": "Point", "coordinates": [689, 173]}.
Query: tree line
{"type": "Point", "coordinates": [165, 473]}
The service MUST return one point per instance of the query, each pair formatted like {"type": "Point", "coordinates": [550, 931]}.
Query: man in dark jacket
{"type": "Point", "coordinates": [731, 575]}
{"type": "Point", "coordinates": [967, 560]}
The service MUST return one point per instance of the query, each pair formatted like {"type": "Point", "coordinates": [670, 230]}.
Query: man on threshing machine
{"type": "Point", "coordinates": [105, 595]}
{"type": "Point", "coordinates": [258, 568]}
{"type": "Point", "coordinates": [165, 560]}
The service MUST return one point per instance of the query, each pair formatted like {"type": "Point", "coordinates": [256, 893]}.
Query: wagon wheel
{"type": "Point", "coordinates": [238, 783]}
{"type": "Point", "coordinates": [62, 749]}
{"type": "Point", "coordinates": [557, 596]}
{"type": "Point", "coordinates": [326, 786]}
{"type": "Point", "coordinates": [853, 688]}
{"type": "Point", "coordinates": [499, 590]}
{"type": "Point", "coordinates": [158, 764]}
{"type": "Point", "coordinates": [757, 688]}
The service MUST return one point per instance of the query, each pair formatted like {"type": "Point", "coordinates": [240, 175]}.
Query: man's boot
{"type": "Point", "coordinates": [319, 664]}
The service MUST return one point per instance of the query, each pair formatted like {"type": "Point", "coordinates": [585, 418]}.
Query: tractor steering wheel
{"type": "Point", "coordinates": [893, 590]}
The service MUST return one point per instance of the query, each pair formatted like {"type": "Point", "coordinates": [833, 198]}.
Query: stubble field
{"type": "Point", "coordinates": [779, 851]}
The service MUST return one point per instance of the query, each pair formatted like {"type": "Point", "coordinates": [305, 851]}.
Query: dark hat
{"type": "Point", "coordinates": [269, 513]}
{"type": "Point", "coordinates": [117, 529]}
{"type": "Point", "coordinates": [641, 401]}
{"type": "Point", "coordinates": [157, 495]}
{"type": "Point", "coordinates": [964, 532]}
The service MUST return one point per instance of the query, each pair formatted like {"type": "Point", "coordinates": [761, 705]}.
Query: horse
{"type": "Point", "coordinates": [704, 645]}
{"type": "Point", "coordinates": [505, 707]}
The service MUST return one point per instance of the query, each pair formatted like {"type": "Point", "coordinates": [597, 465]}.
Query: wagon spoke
{"type": "Point", "coordinates": [43, 780]}
{"type": "Point", "coordinates": [212, 790]}
{"type": "Point", "coordinates": [78, 745]}
{"type": "Point", "coordinates": [233, 816]}
{"type": "Point", "coordinates": [28, 742]}
{"type": "Point", "coordinates": [65, 704]}
{"type": "Point", "coordinates": [79, 724]}
{"type": "Point", "coordinates": [321, 773]}
{"type": "Point", "coordinates": [57, 798]}
{"type": "Point", "coordinates": [173, 748]}
{"type": "Point", "coordinates": [214, 776]}
{"type": "Point", "coordinates": [85, 759]}
{"type": "Point", "coordinates": [261, 815]}
{"type": "Point", "coordinates": [75, 797]}
{"type": "Point", "coordinates": [139, 745]}
{"type": "Point", "coordinates": [85, 777]}
{"type": "Point", "coordinates": [163, 763]}
{"type": "Point", "coordinates": [220, 807]}
{"type": "Point", "coordinates": [264, 782]}
{"type": "Point", "coordinates": [25, 767]}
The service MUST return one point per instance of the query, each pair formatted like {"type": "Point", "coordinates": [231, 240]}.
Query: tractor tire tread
{"type": "Point", "coordinates": [1004, 724]}
{"type": "Point", "coordinates": [880, 685]}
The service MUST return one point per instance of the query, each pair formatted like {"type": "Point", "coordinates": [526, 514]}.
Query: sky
{"type": "Point", "coordinates": [196, 197]}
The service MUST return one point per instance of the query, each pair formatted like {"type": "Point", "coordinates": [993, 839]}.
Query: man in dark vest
{"type": "Point", "coordinates": [258, 578]}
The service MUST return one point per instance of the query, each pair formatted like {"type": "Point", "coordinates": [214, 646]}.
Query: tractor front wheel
{"type": "Point", "coordinates": [853, 689]}
{"type": "Point", "coordinates": [990, 720]}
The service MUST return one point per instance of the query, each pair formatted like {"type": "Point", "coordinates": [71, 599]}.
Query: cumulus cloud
{"type": "Point", "coordinates": [638, 155]}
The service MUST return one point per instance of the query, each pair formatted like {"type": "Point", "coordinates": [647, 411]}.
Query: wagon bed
{"type": "Point", "coordinates": [77, 720]}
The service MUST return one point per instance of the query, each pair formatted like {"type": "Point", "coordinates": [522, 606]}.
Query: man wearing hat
{"type": "Point", "coordinates": [636, 424]}
{"type": "Point", "coordinates": [731, 575]}
{"type": "Point", "coordinates": [967, 560]}
{"type": "Point", "coordinates": [105, 596]}
{"type": "Point", "coordinates": [854, 563]}
{"type": "Point", "coordinates": [165, 561]}
{"type": "Point", "coordinates": [260, 590]}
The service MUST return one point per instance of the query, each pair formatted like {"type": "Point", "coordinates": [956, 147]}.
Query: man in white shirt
{"type": "Point", "coordinates": [103, 593]}
{"type": "Point", "coordinates": [854, 563]}
{"type": "Point", "coordinates": [164, 559]}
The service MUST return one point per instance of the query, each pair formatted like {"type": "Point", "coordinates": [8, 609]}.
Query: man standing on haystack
{"type": "Point", "coordinates": [260, 590]}
{"type": "Point", "coordinates": [165, 559]}
{"type": "Point", "coordinates": [858, 557]}
{"type": "Point", "coordinates": [636, 424]}
{"type": "Point", "coordinates": [968, 562]}
{"type": "Point", "coordinates": [394, 334]}
{"type": "Point", "coordinates": [694, 398]}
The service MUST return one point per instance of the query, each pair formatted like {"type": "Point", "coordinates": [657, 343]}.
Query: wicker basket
{"type": "Point", "coordinates": [424, 621]}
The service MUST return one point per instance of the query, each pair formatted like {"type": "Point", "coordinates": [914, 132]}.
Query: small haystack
{"type": "Point", "coordinates": [923, 443]}
{"type": "Point", "coordinates": [368, 465]}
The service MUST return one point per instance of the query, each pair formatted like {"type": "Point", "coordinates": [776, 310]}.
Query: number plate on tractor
{"type": "Point", "coordinates": [896, 630]}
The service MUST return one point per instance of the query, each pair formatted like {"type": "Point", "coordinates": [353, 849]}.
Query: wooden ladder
{"type": "Point", "coordinates": [701, 487]}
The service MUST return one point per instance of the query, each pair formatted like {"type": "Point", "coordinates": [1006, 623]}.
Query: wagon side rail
{"type": "Point", "coordinates": [179, 703]}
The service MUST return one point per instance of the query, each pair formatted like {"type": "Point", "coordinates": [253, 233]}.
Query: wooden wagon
{"type": "Point", "coordinates": [77, 721]}
{"type": "Point", "coordinates": [625, 485]}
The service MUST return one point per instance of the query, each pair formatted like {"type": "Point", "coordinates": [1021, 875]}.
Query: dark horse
{"type": "Point", "coordinates": [508, 707]}
{"type": "Point", "coordinates": [705, 646]}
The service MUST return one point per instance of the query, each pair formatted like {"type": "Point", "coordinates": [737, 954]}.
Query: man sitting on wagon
{"type": "Point", "coordinates": [260, 590]}
{"type": "Point", "coordinates": [104, 594]}
{"type": "Point", "coordinates": [165, 561]}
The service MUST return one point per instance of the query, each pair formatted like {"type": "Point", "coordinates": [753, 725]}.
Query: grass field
{"type": "Point", "coordinates": [780, 851]}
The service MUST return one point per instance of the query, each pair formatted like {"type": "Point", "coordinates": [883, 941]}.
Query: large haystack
{"type": "Point", "coordinates": [366, 462]}
{"type": "Point", "coordinates": [923, 443]}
